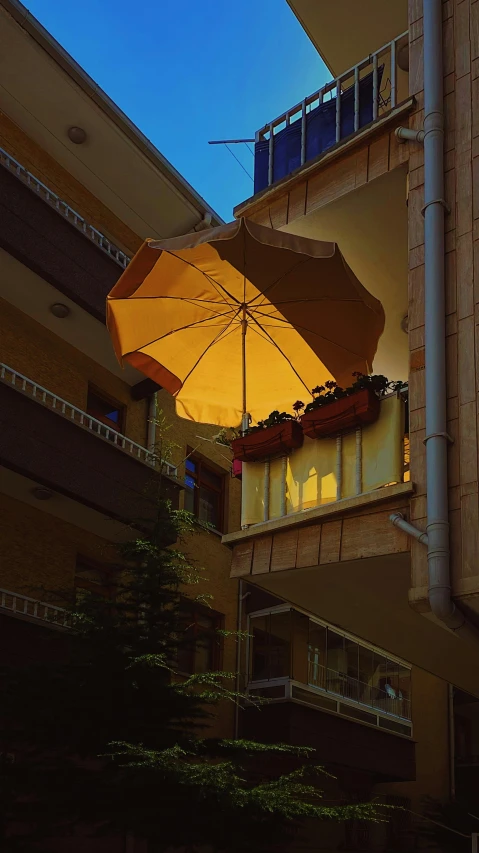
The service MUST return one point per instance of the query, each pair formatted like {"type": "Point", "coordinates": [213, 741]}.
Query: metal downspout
{"type": "Point", "coordinates": [436, 440]}
{"type": "Point", "coordinates": [435, 319]}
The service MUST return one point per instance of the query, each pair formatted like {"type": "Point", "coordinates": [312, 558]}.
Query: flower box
{"type": "Point", "coordinates": [347, 413]}
{"type": "Point", "coordinates": [237, 469]}
{"type": "Point", "coordinates": [272, 441]}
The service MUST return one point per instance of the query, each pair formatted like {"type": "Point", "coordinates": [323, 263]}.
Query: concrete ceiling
{"type": "Point", "coordinates": [31, 294]}
{"type": "Point", "coordinates": [369, 598]}
{"type": "Point", "coordinates": [346, 31]}
{"type": "Point", "coordinates": [45, 92]}
{"type": "Point", "coordinates": [370, 226]}
{"type": "Point", "coordinates": [20, 488]}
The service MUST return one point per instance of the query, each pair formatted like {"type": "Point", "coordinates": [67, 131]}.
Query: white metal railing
{"type": "Point", "coordinates": [382, 65]}
{"type": "Point", "coordinates": [331, 681]}
{"type": "Point", "coordinates": [64, 209]}
{"type": "Point", "coordinates": [27, 386]}
{"type": "Point", "coordinates": [22, 605]}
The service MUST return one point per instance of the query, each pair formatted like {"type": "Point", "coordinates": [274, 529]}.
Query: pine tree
{"type": "Point", "coordinates": [109, 738]}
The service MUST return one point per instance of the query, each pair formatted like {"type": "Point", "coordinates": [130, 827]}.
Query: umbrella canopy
{"type": "Point", "coordinates": [242, 318]}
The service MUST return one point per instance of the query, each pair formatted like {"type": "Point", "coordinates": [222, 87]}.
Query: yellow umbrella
{"type": "Point", "coordinates": [242, 318]}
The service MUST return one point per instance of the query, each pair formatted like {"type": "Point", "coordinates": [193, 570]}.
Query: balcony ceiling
{"type": "Point", "coordinates": [344, 32]}
{"type": "Point", "coordinates": [370, 226]}
{"type": "Point", "coordinates": [45, 92]}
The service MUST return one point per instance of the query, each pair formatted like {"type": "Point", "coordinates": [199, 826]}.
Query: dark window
{"type": "Point", "coordinates": [270, 646]}
{"type": "Point", "coordinates": [105, 409]}
{"type": "Point", "coordinates": [200, 645]}
{"type": "Point", "coordinates": [204, 493]}
{"type": "Point", "coordinates": [93, 577]}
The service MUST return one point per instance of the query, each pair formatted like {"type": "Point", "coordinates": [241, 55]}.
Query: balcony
{"type": "Point", "coordinates": [33, 610]}
{"type": "Point", "coordinates": [319, 683]}
{"type": "Point", "coordinates": [54, 443]}
{"type": "Point", "coordinates": [328, 478]}
{"type": "Point", "coordinates": [45, 234]}
{"type": "Point", "coordinates": [358, 100]}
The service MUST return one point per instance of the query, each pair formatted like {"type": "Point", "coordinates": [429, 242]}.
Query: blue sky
{"type": "Point", "coordinates": [187, 71]}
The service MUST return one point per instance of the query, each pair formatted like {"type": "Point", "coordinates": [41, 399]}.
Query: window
{"type": "Point", "coordinates": [105, 409]}
{"type": "Point", "coordinates": [93, 577]}
{"type": "Point", "coordinates": [271, 646]}
{"type": "Point", "coordinates": [200, 645]}
{"type": "Point", "coordinates": [204, 493]}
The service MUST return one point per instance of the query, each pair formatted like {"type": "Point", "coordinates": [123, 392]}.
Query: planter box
{"type": "Point", "coordinates": [237, 468]}
{"type": "Point", "coordinates": [359, 409]}
{"type": "Point", "coordinates": [272, 441]}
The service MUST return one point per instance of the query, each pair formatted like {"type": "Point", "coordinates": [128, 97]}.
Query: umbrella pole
{"type": "Point", "coordinates": [245, 421]}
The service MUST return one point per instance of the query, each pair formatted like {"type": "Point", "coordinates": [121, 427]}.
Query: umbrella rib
{"type": "Point", "coordinates": [214, 341]}
{"type": "Point", "coordinates": [192, 299]}
{"type": "Point", "coordinates": [274, 283]}
{"type": "Point", "coordinates": [273, 342]}
{"type": "Point", "coordinates": [182, 329]}
{"type": "Point", "coordinates": [210, 279]}
{"type": "Point", "coordinates": [309, 331]}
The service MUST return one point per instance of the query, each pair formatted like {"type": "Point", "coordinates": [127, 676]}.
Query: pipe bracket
{"type": "Point", "coordinates": [439, 435]}
{"type": "Point", "coordinates": [436, 201]}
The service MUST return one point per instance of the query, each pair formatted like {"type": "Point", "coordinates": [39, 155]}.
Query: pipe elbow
{"type": "Point", "coordinates": [444, 608]}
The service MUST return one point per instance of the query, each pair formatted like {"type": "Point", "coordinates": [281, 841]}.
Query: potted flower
{"type": "Point", "coordinates": [335, 409]}
{"type": "Point", "coordinates": [274, 436]}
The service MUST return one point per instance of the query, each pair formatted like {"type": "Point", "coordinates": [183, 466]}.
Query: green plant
{"type": "Point", "coordinates": [109, 738]}
{"type": "Point", "coordinates": [274, 419]}
{"type": "Point", "coordinates": [331, 391]}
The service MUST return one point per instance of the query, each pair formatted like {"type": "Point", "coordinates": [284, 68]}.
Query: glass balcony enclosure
{"type": "Point", "coordinates": [293, 655]}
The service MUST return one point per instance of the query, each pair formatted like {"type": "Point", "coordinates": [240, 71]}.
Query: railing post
{"type": "Point", "coordinates": [375, 87]}
{"type": "Point", "coordinates": [303, 132]}
{"type": "Point", "coordinates": [338, 109]}
{"type": "Point", "coordinates": [266, 491]}
{"type": "Point", "coordinates": [356, 98]}
{"type": "Point", "coordinates": [284, 468]}
{"type": "Point", "coordinates": [393, 74]}
{"type": "Point", "coordinates": [359, 460]}
{"type": "Point", "coordinates": [270, 155]}
{"type": "Point", "coordinates": [339, 466]}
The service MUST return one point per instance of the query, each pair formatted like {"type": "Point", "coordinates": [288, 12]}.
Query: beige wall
{"type": "Point", "coordinates": [42, 356]}
{"type": "Point", "coordinates": [16, 143]}
{"type": "Point", "coordinates": [430, 717]}
{"type": "Point", "coordinates": [461, 90]}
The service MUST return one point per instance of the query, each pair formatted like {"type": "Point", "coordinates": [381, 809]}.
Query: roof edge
{"type": "Point", "coordinates": [45, 40]}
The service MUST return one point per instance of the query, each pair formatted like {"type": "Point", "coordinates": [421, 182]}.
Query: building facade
{"type": "Point", "coordinates": [349, 557]}
{"type": "Point", "coordinates": [81, 189]}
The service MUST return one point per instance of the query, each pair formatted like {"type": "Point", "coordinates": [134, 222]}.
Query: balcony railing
{"type": "Point", "coordinates": [341, 108]}
{"type": "Point", "coordinates": [82, 419]}
{"type": "Point", "coordinates": [64, 209]}
{"type": "Point", "coordinates": [343, 685]}
{"type": "Point", "coordinates": [24, 607]}
{"type": "Point", "coordinates": [324, 471]}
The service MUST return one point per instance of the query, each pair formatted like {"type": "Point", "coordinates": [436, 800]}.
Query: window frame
{"type": "Point", "coordinates": [193, 610]}
{"type": "Point", "coordinates": [111, 401]}
{"type": "Point", "coordinates": [210, 466]}
{"type": "Point", "coordinates": [86, 564]}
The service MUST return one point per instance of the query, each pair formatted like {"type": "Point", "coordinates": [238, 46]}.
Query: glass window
{"type": "Point", "coordinates": [204, 493]}
{"type": "Point", "coordinates": [366, 675]}
{"type": "Point", "coordinates": [317, 655]}
{"type": "Point", "coordinates": [199, 648]}
{"type": "Point", "coordinates": [105, 410]}
{"type": "Point", "coordinates": [271, 646]}
{"type": "Point", "coordinates": [352, 664]}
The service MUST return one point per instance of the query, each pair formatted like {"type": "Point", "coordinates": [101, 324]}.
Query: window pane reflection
{"type": "Point", "coordinates": [317, 655]}
{"type": "Point", "coordinates": [271, 646]}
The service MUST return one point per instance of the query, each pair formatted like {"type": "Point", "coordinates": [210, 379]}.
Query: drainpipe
{"type": "Point", "coordinates": [151, 435]}
{"type": "Point", "coordinates": [436, 440]}
{"type": "Point", "coordinates": [239, 626]}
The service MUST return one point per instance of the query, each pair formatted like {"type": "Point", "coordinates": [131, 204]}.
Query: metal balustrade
{"type": "Point", "coordinates": [23, 606]}
{"type": "Point", "coordinates": [82, 419]}
{"type": "Point", "coordinates": [343, 685]}
{"type": "Point", "coordinates": [359, 96]}
{"type": "Point", "coordinates": [16, 168]}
